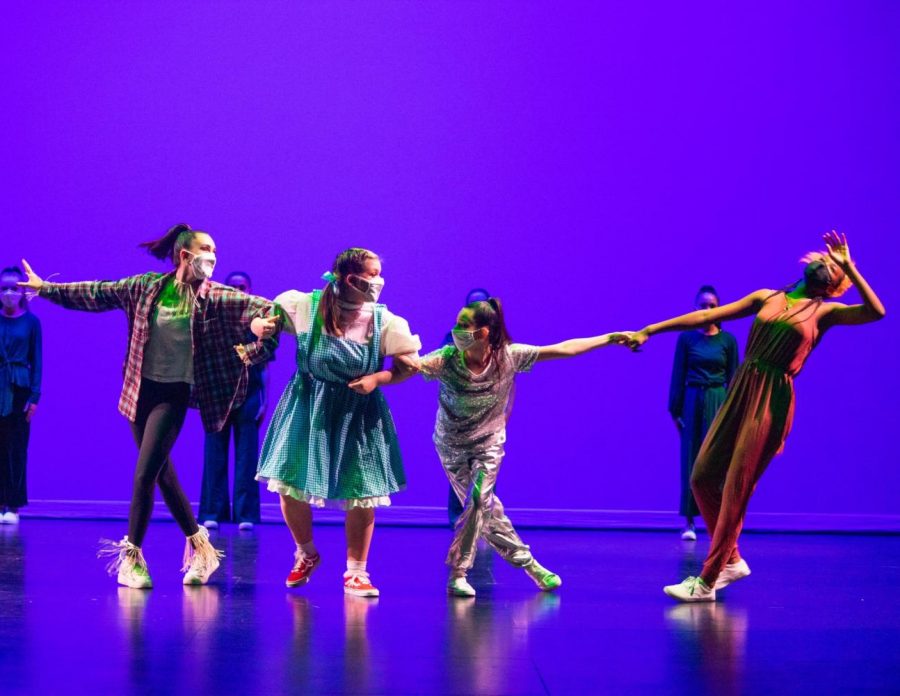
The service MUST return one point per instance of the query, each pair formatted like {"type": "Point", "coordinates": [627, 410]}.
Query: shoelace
{"type": "Point", "coordinates": [304, 563]}
{"type": "Point", "coordinates": [358, 579]}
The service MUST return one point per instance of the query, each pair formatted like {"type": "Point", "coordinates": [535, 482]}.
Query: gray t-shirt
{"type": "Point", "coordinates": [472, 407]}
{"type": "Point", "coordinates": [169, 354]}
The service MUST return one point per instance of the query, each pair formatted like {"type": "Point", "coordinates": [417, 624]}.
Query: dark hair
{"type": "Point", "coordinates": [709, 290]}
{"type": "Point", "coordinates": [18, 272]}
{"type": "Point", "coordinates": [171, 243]}
{"type": "Point", "coordinates": [476, 291]}
{"type": "Point", "coordinates": [489, 313]}
{"type": "Point", "coordinates": [239, 273]}
{"type": "Point", "coordinates": [348, 262]}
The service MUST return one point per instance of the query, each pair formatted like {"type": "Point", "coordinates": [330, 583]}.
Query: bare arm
{"type": "Point", "coordinates": [870, 310]}
{"type": "Point", "coordinates": [402, 368]}
{"type": "Point", "coordinates": [577, 346]}
{"type": "Point", "coordinates": [744, 307]}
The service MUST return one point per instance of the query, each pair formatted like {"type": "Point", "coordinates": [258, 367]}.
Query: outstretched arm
{"type": "Point", "coordinates": [870, 310]}
{"type": "Point", "coordinates": [743, 307]}
{"type": "Point", "coordinates": [578, 346]}
{"type": "Point", "coordinates": [90, 296]}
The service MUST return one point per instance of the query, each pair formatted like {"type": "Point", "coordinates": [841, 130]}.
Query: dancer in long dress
{"type": "Point", "coordinates": [755, 420]}
{"type": "Point", "coordinates": [183, 330]}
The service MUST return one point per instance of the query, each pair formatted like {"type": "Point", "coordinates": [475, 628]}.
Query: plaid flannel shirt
{"type": "Point", "coordinates": [220, 321]}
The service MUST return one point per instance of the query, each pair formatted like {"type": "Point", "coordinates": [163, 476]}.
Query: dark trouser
{"type": "Point", "coordinates": [214, 491]}
{"type": "Point", "coordinates": [701, 404]}
{"type": "Point", "coordinates": [14, 432]}
{"type": "Point", "coordinates": [161, 410]}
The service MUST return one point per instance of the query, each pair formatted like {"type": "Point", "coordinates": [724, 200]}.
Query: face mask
{"type": "Point", "coordinates": [11, 299]}
{"type": "Point", "coordinates": [463, 339]}
{"type": "Point", "coordinates": [203, 264]}
{"type": "Point", "coordinates": [818, 275]}
{"type": "Point", "coordinates": [370, 287]}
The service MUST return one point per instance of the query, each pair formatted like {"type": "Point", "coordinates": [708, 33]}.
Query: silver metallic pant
{"type": "Point", "coordinates": [473, 473]}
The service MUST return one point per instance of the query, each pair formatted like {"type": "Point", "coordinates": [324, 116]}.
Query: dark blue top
{"type": "Point", "coordinates": [20, 358]}
{"type": "Point", "coordinates": [701, 361]}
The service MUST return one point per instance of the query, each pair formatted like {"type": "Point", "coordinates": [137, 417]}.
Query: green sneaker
{"type": "Point", "coordinates": [542, 577]}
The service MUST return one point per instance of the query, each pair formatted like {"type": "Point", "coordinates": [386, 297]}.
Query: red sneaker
{"type": "Point", "coordinates": [302, 569]}
{"type": "Point", "coordinates": [359, 585]}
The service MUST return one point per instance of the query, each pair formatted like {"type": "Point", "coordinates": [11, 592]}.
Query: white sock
{"type": "Point", "coordinates": [356, 567]}
{"type": "Point", "coordinates": [308, 549]}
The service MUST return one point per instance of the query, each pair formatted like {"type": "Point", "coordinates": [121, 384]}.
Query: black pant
{"type": "Point", "coordinates": [214, 493]}
{"type": "Point", "coordinates": [14, 432]}
{"type": "Point", "coordinates": [161, 410]}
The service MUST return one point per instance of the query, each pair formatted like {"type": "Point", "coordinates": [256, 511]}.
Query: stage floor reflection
{"type": "Point", "coordinates": [820, 614]}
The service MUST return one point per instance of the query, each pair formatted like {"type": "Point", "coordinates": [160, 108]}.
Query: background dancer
{"type": "Point", "coordinates": [20, 390]}
{"type": "Point", "coordinates": [705, 361]}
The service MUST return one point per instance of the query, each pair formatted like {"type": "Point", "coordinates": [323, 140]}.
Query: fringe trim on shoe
{"type": "Point", "coordinates": [118, 551]}
{"type": "Point", "coordinates": [200, 546]}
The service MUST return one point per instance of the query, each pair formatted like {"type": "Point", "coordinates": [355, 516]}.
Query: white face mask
{"type": "Point", "coordinates": [203, 264]}
{"type": "Point", "coordinates": [463, 339]}
{"type": "Point", "coordinates": [370, 287]}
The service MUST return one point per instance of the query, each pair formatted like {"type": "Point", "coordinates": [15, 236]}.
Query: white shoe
{"type": "Point", "coordinates": [134, 574]}
{"type": "Point", "coordinates": [245, 526]}
{"type": "Point", "coordinates": [691, 589]}
{"type": "Point", "coordinates": [10, 517]}
{"type": "Point", "coordinates": [201, 558]}
{"type": "Point", "coordinates": [732, 573]}
{"type": "Point", "coordinates": [689, 534]}
{"type": "Point", "coordinates": [211, 524]}
{"type": "Point", "coordinates": [460, 587]}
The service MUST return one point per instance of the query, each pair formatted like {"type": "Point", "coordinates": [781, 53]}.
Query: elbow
{"type": "Point", "coordinates": [880, 312]}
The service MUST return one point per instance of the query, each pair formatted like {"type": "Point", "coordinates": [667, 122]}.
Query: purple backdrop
{"type": "Point", "coordinates": [591, 165]}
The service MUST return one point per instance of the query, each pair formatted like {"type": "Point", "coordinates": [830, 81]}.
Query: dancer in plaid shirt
{"type": "Point", "coordinates": [185, 348]}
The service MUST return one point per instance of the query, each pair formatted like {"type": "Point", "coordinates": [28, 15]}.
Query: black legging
{"type": "Point", "coordinates": [161, 410]}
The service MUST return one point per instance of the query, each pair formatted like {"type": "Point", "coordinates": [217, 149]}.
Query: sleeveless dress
{"type": "Point", "coordinates": [326, 442]}
{"type": "Point", "coordinates": [753, 423]}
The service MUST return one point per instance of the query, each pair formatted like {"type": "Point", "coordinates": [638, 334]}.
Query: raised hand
{"type": "Point", "coordinates": [34, 281]}
{"type": "Point", "coordinates": [838, 249]}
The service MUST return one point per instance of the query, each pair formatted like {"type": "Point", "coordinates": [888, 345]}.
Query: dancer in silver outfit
{"type": "Point", "coordinates": [476, 376]}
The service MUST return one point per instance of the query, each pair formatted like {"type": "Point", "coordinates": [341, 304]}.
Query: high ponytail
{"type": "Point", "coordinates": [171, 243]}
{"type": "Point", "coordinates": [349, 262]}
{"type": "Point", "coordinates": [489, 313]}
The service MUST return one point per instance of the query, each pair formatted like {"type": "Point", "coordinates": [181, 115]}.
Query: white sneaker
{"type": "Point", "coordinates": [245, 526]}
{"type": "Point", "coordinates": [10, 517]}
{"type": "Point", "coordinates": [200, 569]}
{"type": "Point", "coordinates": [689, 534]}
{"type": "Point", "coordinates": [691, 589]}
{"type": "Point", "coordinates": [732, 573]}
{"type": "Point", "coordinates": [211, 524]}
{"type": "Point", "coordinates": [460, 587]}
{"type": "Point", "coordinates": [134, 574]}
{"type": "Point", "coordinates": [201, 558]}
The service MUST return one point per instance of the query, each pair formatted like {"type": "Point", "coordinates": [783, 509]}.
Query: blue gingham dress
{"type": "Point", "coordinates": [326, 442]}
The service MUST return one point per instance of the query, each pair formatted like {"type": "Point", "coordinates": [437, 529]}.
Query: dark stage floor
{"type": "Point", "coordinates": [821, 614]}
